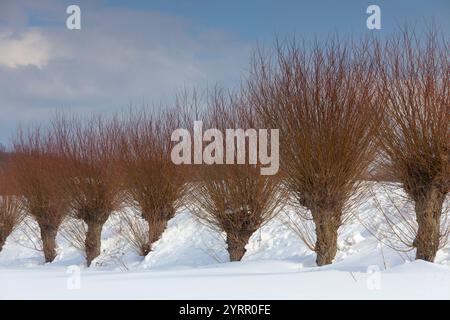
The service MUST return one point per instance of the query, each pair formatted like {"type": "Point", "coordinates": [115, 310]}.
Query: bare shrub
{"type": "Point", "coordinates": [234, 199]}
{"type": "Point", "coordinates": [29, 235]}
{"type": "Point", "coordinates": [134, 230]}
{"type": "Point", "coordinates": [38, 178]}
{"type": "Point", "coordinates": [321, 98]}
{"type": "Point", "coordinates": [4, 155]}
{"type": "Point", "coordinates": [302, 225]}
{"type": "Point", "coordinates": [10, 217]}
{"type": "Point", "coordinates": [415, 139]}
{"type": "Point", "coordinates": [74, 231]}
{"type": "Point", "coordinates": [90, 151]}
{"type": "Point", "coordinates": [11, 214]}
{"type": "Point", "coordinates": [154, 184]}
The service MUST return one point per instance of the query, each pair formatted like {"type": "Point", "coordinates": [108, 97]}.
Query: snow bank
{"type": "Point", "coordinates": [190, 262]}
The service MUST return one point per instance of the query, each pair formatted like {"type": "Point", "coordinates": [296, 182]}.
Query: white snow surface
{"type": "Point", "coordinates": [190, 261]}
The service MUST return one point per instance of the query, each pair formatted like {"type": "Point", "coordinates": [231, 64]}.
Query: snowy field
{"type": "Point", "coordinates": [190, 262]}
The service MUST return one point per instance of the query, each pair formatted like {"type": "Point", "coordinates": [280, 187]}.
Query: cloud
{"type": "Point", "coordinates": [29, 49]}
{"type": "Point", "coordinates": [118, 58]}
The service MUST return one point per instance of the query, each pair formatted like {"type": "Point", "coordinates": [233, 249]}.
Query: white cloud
{"type": "Point", "coordinates": [118, 58]}
{"type": "Point", "coordinates": [29, 49]}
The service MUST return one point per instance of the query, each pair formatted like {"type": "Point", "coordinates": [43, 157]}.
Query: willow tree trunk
{"type": "Point", "coordinates": [155, 230]}
{"type": "Point", "coordinates": [156, 227]}
{"type": "Point", "coordinates": [327, 226]}
{"type": "Point", "coordinates": [93, 241]}
{"type": "Point", "coordinates": [2, 239]}
{"type": "Point", "coordinates": [146, 248]}
{"type": "Point", "coordinates": [428, 215]}
{"type": "Point", "coordinates": [236, 245]}
{"type": "Point", "coordinates": [48, 236]}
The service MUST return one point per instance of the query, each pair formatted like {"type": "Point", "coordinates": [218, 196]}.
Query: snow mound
{"type": "Point", "coordinates": [190, 261]}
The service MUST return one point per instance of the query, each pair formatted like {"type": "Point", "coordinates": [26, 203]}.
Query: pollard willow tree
{"type": "Point", "coordinates": [90, 152]}
{"type": "Point", "coordinates": [39, 176]}
{"type": "Point", "coordinates": [321, 98]}
{"type": "Point", "coordinates": [155, 186]}
{"type": "Point", "coordinates": [415, 135]}
{"type": "Point", "coordinates": [234, 199]}
{"type": "Point", "coordinates": [11, 214]}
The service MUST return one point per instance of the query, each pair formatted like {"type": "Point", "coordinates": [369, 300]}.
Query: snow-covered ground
{"type": "Point", "coordinates": [190, 262]}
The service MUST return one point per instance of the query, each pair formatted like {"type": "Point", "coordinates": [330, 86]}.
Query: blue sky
{"type": "Point", "coordinates": [143, 52]}
{"type": "Point", "coordinates": [262, 19]}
